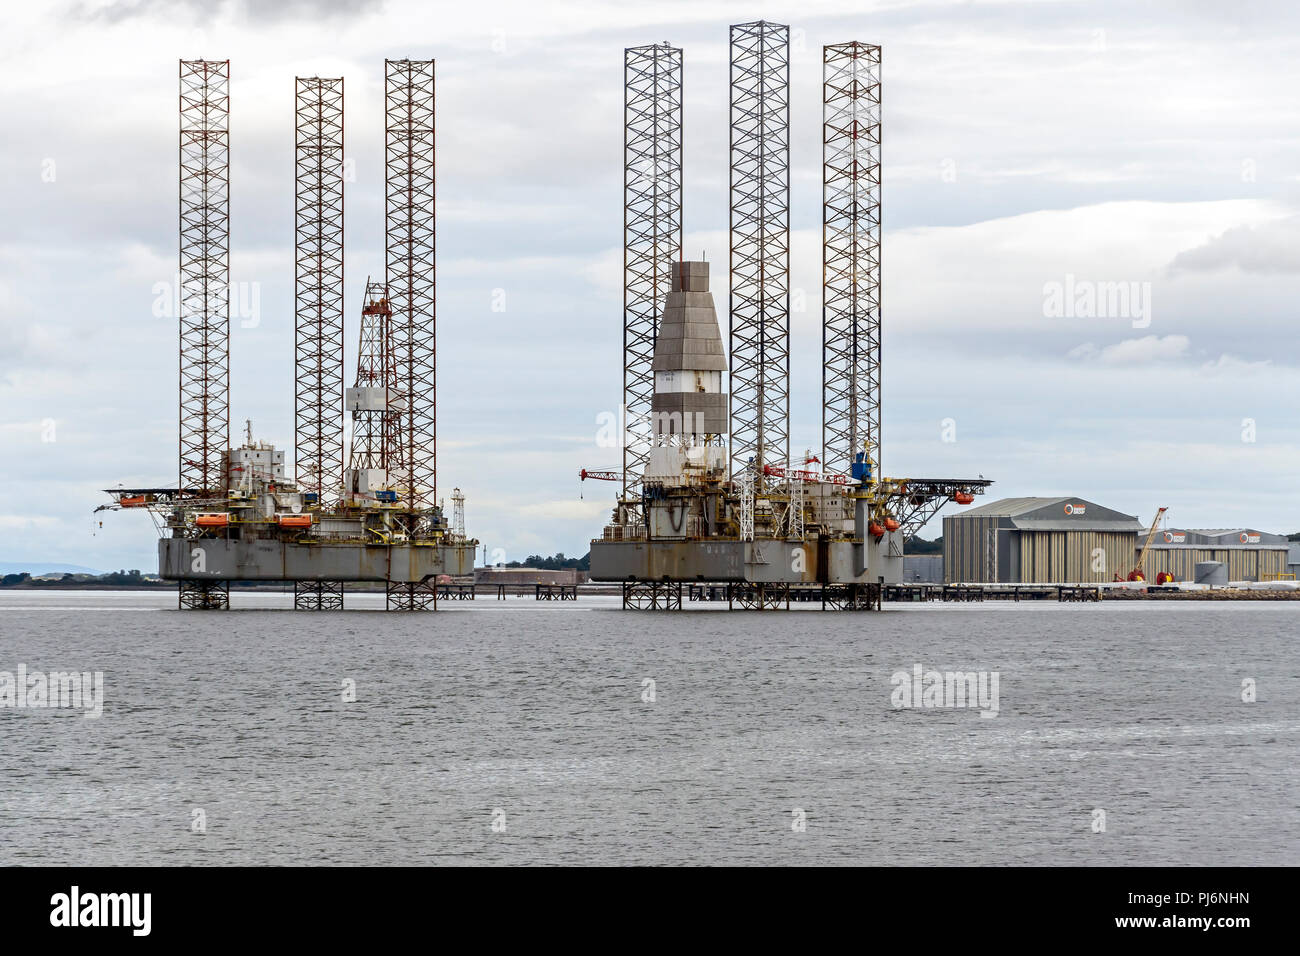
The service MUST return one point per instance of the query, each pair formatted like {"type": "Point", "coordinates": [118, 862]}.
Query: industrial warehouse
{"type": "Point", "coordinates": [1071, 540]}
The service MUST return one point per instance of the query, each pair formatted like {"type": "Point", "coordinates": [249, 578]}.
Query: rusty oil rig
{"type": "Point", "coordinates": [365, 513]}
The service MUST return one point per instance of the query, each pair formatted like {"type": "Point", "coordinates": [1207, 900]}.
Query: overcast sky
{"type": "Point", "coordinates": [1029, 148]}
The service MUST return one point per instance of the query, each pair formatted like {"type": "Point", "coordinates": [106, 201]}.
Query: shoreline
{"type": "Point", "coordinates": [614, 590]}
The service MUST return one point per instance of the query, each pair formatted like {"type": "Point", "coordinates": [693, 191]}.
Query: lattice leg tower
{"type": "Point", "coordinates": [204, 298]}
{"type": "Point", "coordinates": [204, 277]}
{"type": "Point", "coordinates": [318, 274]}
{"type": "Point", "coordinates": [652, 228]}
{"type": "Point", "coordinates": [652, 595]}
{"type": "Point", "coordinates": [409, 596]}
{"type": "Point", "coordinates": [853, 597]}
{"type": "Point", "coordinates": [318, 595]}
{"type": "Point", "coordinates": [760, 244]}
{"type": "Point", "coordinates": [203, 596]}
{"type": "Point", "coordinates": [318, 306]}
{"type": "Point", "coordinates": [410, 240]}
{"type": "Point", "coordinates": [850, 254]}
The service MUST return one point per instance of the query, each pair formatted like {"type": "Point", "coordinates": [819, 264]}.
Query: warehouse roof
{"type": "Point", "coordinates": [1232, 536]}
{"type": "Point", "coordinates": [1008, 507]}
{"type": "Point", "coordinates": [1054, 514]}
{"type": "Point", "coordinates": [1220, 532]}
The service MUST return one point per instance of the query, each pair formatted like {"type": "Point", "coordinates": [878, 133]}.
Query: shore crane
{"type": "Point", "coordinates": [1137, 574]}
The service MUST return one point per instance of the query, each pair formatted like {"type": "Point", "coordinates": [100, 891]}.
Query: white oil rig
{"type": "Point", "coordinates": [711, 497]}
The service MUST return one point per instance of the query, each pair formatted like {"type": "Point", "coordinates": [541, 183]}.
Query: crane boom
{"type": "Point", "coordinates": [777, 471]}
{"type": "Point", "coordinates": [1137, 573]}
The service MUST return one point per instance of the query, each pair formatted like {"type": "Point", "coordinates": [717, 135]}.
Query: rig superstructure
{"type": "Point", "coordinates": [366, 513]}
{"type": "Point", "coordinates": [716, 497]}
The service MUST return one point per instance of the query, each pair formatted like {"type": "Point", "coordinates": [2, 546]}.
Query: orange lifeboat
{"type": "Point", "coordinates": [220, 520]}
{"type": "Point", "coordinates": [131, 501]}
{"type": "Point", "coordinates": [875, 530]}
{"type": "Point", "coordinates": [891, 524]}
{"type": "Point", "coordinates": [963, 497]}
{"type": "Point", "coordinates": [293, 521]}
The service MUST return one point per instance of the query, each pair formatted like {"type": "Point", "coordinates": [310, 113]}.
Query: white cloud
{"type": "Point", "coordinates": [1149, 348]}
{"type": "Point", "coordinates": [1232, 365]}
{"type": "Point", "coordinates": [590, 510]}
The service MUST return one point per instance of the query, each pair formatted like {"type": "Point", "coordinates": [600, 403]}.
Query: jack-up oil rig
{"type": "Point", "coordinates": [710, 492]}
{"type": "Point", "coordinates": [365, 513]}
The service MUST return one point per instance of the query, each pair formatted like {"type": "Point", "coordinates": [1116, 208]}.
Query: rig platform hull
{"type": "Point", "coordinates": [220, 559]}
{"type": "Point", "coordinates": [762, 561]}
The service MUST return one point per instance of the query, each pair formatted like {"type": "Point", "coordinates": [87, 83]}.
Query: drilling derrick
{"type": "Point", "coordinates": [318, 300]}
{"type": "Point", "coordinates": [760, 244]}
{"type": "Point", "coordinates": [204, 295]}
{"type": "Point", "coordinates": [652, 230]}
{"type": "Point", "coordinates": [374, 426]}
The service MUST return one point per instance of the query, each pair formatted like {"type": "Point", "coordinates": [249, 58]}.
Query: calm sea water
{"type": "Point", "coordinates": [531, 716]}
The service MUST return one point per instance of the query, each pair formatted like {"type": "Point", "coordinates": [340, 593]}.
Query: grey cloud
{"type": "Point", "coordinates": [1271, 248]}
{"type": "Point", "coordinates": [253, 11]}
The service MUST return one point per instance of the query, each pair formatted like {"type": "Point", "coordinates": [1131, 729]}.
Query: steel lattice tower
{"type": "Point", "coordinates": [850, 254]}
{"type": "Point", "coordinates": [318, 285]}
{"type": "Point", "coordinates": [760, 244]}
{"type": "Point", "coordinates": [652, 225]}
{"type": "Point", "coordinates": [374, 433]}
{"type": "Point", "coordinates": [411, 275]}
{"type": "Point", "coordinates": [204, 276]}
{"type": "Point", "coordinates": [410, 233]}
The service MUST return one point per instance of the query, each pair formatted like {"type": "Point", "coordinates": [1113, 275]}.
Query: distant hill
{"type": "Point", "coordinates": [35, 568]}
{"type": "Point", "coordinates": [915, 545]}
{"type": "Point", "coordinates": [557, 563]}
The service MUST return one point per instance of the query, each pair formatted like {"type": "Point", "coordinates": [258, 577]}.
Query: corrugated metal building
{"type": "Point", "coordinates": [923, 569]}
{"type": "Point", "coordinates": [1038, 541]}
{"type": "Point", "coordinates": [1249, 555]}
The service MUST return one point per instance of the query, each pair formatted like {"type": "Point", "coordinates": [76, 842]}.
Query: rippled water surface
{"type": "Point", "coordinates": [532, 715]}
